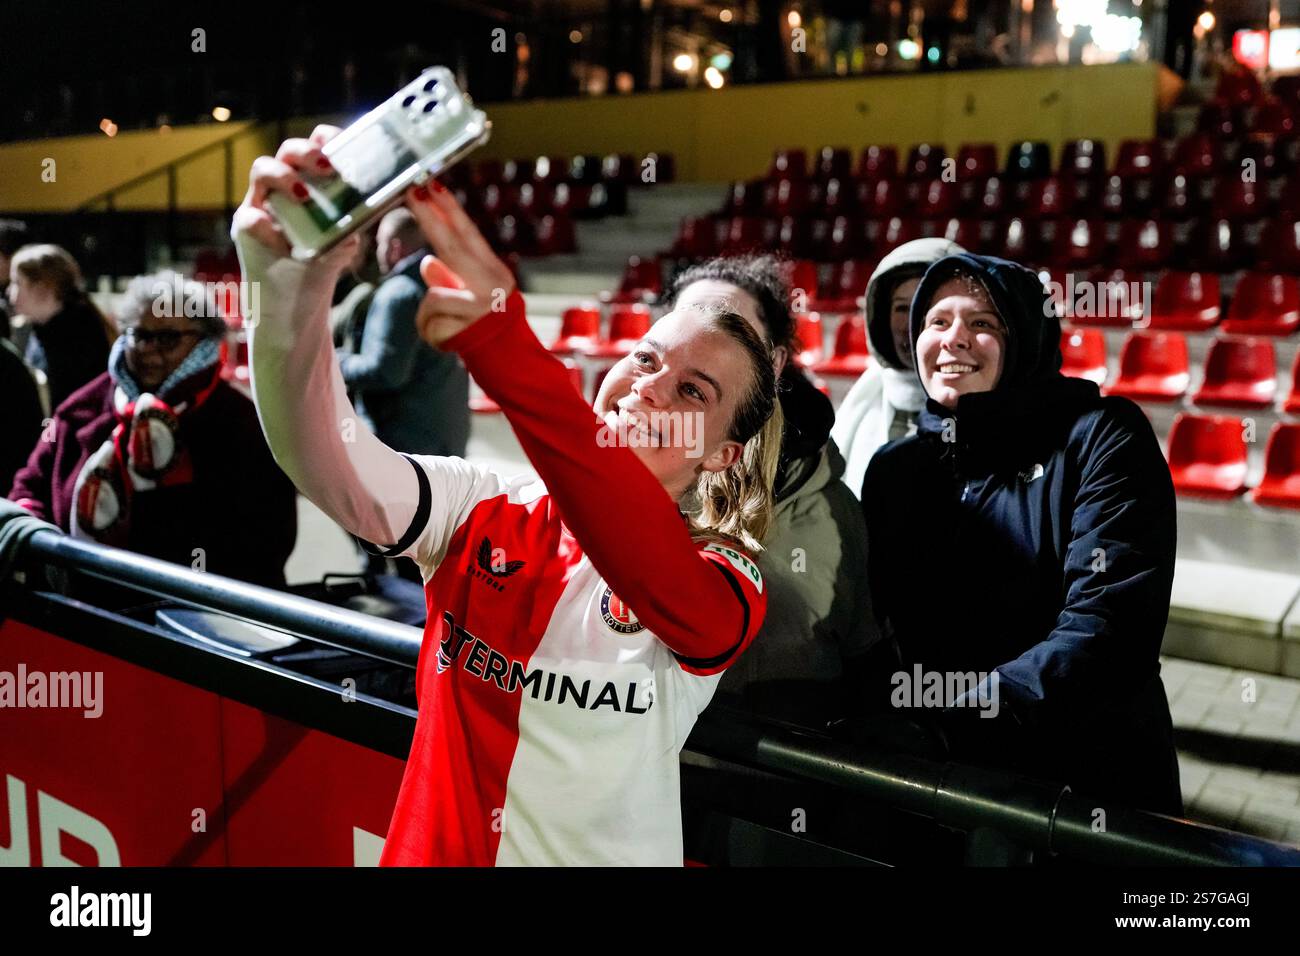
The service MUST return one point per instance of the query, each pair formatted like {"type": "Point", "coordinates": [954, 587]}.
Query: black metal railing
{"type": "Point", "coordinates": [1018, 818]}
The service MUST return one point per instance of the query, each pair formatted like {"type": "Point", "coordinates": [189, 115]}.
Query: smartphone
{"type": "Point", "coordinates": [421, 130]}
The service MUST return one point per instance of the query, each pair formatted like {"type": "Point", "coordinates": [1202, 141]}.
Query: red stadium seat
{"type": "Point", "coordinates": [1083, 353]}
{"type": "Point", "coordinates": [550, 169]}
{"type": "Point", "coordinates": [1239, 200]}
{"type": "Point", "coordinates": [1083, 158]}
{"type": "Point", "coordinates": [833, 163]}
{"type": "Point", "coordinates": [1219, 120]}
{"type": "Point", "coordinates": [846, 283]}
{"type": "Point", "coordinates": [1266, 156]}
{"type": "Point", "coordinates": [1018, 241]}
{"type": "Point", "coordinates": [642, 282]}
{"type": "Point", "coordinates": [620, 168]}
{"type": "Point", "coordinates": [796, 236]}
{"type": "Point", "coordinates": [1279, 246]}
{"type": "Point", "coordinates": [786, 197]}
{"type": "Point", "coordinates": [967, 233]}
{"type": "Point", "coordinates": [800, 277]}
{"type": "Point", "coordinates": [1120, 297]}
{"type": "Point", "coordinates": [939, 199]}
{"type": "Point", "coordinates": [1047, 199]}
{"type": "Point", "coordinates": [1198, 155]}
{"type": "Point", "coordinates": [697, 238]}
{"type": "Point", "coordinates": [1264, 303]}
{"type": "Point", "coordinates": [846, 239]}
{"type": "Point", "coordinates": [876, 163]}
{"type": "Point", "coordinates": [850, 355]}
{"type": "Point", "coordinates": [579, 330]}
{"type": "Point", "coordinates": [1238, 86]}
{"type": "Point", "coordinates": [1028, 161]}
{"type": "Point", "coordinates": [1079, 243]}
{"type": "Point", "coordinates": [1239, 372]}
{"type": "Point", "coordinates": [488, 172]}
{"type": "Point", "coordinates": [884, 199]}
{"type": "Point", "coordinates": [554, 235]}
{"type": "Point", "coordinates": [788, 164]}
{"type": "Point", "coordinates": [809, 338]}
{"type": "Point", "coordinates": [1207, 455]}
{"type": "Point", "coordinates": [516, 172]}
{"type": "Point", "coordinates": [1139, 158]}
{"type": "Point", "coordinates": [1292, 403]}
{"type": "Point", "coordinates": [502, 200]}
{"type": "Point", "coordinates": [746, 234]}
{"type": "Point", "coordinates": [1144, 244]}
{"type": "Point", "coordinates": [895, 232]}
{"type": "Point", "coordinates": [1273, 117]}
{"type": "Point", "coordinates": [743, 199]}
{"type": "Point", "coordinates": [989, 198]}
{"type": "Point", "coordinates": [1153, 367]}
{"type": "Point", "coordinates": [1280, 486]}
{"type": "Point", "coordinates": [977, 161]}
{"type": "Point", "coordinates": [925, 162]}
{"type": "Point", "coordinates": [840, 196]}
{"type": "Point", "coordinates": [628, 325]}
{"type": "Point", "coordinates": [1182, 198]}
{"type": "Point", "coordinates": [1186, 300]}
{"type": "Point", "coordinates": [1216, 245]}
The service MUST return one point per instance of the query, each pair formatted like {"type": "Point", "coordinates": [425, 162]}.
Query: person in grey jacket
{"type": "Point", "coordinates": [807, 663]}
{"type": "Point", "coordinates": [411, 395]}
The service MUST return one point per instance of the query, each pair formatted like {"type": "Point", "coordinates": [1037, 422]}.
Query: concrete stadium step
{"type": "Point", "coordinates": [1235, 616]}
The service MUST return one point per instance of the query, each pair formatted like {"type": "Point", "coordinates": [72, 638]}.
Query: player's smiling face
{"type": "Point", "coordinates": [674, 397]}
{"type": "Point", "coordinates": [961, 346]}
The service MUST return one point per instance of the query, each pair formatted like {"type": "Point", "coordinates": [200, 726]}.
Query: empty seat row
{"type": "Point", "coordinates": [586, 170]}
{"type": "Point", "coordinates": [1155, 367]}
{"type": "Point", "coordinates": [1178, 198]}
{"type": "Point", "coordinates": [1208, 458]}
{"type": "Point", "coordinates": [1263, 303]}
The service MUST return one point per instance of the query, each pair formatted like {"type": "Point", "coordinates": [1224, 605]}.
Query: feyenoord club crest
{"type": "Point", "coordinates": [618, 616]}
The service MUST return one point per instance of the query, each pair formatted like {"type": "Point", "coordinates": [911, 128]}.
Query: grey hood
{"type": "Point", "coordinates": [908, 261]}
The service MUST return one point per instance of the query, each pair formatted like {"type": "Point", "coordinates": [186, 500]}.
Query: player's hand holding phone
{"type": "Point", "coordinates": [466, 279]}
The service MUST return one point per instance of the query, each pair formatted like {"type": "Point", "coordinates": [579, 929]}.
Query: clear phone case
{"type": "Point", "coordinates": [421, 130]}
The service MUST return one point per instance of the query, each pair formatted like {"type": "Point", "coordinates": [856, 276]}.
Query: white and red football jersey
{"type": "Point", "coordinates": [557, 683]}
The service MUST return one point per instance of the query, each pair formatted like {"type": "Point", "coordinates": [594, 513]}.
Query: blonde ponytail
{"type": "Point", "coordinates": [737, 506]}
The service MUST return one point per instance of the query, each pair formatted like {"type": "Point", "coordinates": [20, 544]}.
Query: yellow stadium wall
{"type": "Point", "coordinates": [715, 135]}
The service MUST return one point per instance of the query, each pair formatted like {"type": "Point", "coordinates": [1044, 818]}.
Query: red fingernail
{"type": "Point", "coordinates": [421, 194]}
{"type": "Point", "coordinates": [438, 187]}
{"type": "Point", "coordinates": [323, 163]}
{"type": "Point", "coordinates": [300, 191]}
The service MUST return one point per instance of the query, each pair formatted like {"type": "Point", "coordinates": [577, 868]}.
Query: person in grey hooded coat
{"type": "Point", "coordinates": [884, 402]}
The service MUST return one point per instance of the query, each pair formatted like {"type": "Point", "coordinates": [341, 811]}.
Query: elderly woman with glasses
{"type": "Point", "coordinates": [158, 454]}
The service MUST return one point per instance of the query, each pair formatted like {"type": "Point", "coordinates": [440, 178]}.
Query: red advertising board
{"type": "Point", "coordinates": [167, 774]}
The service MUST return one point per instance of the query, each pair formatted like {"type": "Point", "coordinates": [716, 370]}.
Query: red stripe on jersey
{"type": "Point", "coordinates": [482, 621]}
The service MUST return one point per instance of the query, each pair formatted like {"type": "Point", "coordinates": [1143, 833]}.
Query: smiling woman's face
{"type": "Point", "coordinates": [962, 345]}
{"type": "Point", "coordinates": [680, 386]}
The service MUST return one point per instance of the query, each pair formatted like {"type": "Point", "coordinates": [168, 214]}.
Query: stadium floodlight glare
{"type": "Point", "coordinates": [1206, 21]}
{"type": "Point", "coordinates": [932, 54]}
{"type": "Point", "coordinates": [713, 76]}
{"type": "Point", "coordinates": [909, 49]}
{"type": "Point", "coordinates": [1117, 34]}
{"type": "Point", "coordinates": [724, 15]}
{"type": "Point", "coordinates": [220, 114]}
{"type": "Point", "coordinates": [108, 127]}
{"type": "Point", "coordinates": [683, 63]}
{"type": "Point", "coordinates": [575, 36]}
{"type": "Point", "coordinates": [721, 61]}
{"type": "Point", "coordinates": [794, 19]}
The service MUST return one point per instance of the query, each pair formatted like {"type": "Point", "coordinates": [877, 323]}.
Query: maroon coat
{"type": "Point", "coordinates": [240, 508]}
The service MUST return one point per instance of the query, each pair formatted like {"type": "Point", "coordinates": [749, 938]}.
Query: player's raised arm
{"type": "Point", "coordinates": [311, 427]}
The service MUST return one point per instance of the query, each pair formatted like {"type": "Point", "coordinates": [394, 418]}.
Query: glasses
{"type": "Point", "coordinates": [164, 340]}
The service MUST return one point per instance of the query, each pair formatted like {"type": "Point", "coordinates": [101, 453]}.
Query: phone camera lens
{"type": "Point", "coordinates": [406, 103]}
{"type": "Point", "coordinates": [430, 86]}
{"type": "Point", "coordinates": [428, 107]}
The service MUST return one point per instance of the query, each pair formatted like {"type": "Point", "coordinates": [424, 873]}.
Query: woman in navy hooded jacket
{"type": "Point", "coordinates": [1026, 534]}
